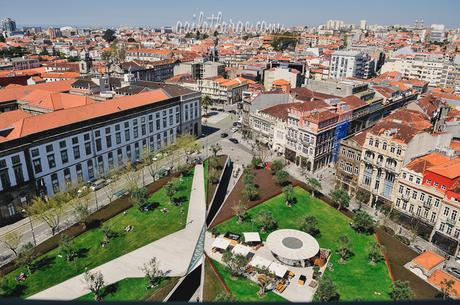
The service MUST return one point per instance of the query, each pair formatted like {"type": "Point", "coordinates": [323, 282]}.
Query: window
{"type": "Point", "coordinates": [127, 124]}
{"type": "Point", "coordinates": [35, 152]}
{"type": "Point", "coordinates": [384, 146]}
{"type": "Point", "coordinates": [446, 211]}
{"type": "Point", "coordinates": [158, 124]}
{"type": "Point", "coordinates": [151, 127]}
{"type": "Point", "coordinates": [433, 217]}
{"type": "Point", "coordinates": [64, 156]}
{"type": "Point", "coordinates": [5, 179]}
{"type": "Point", "coordinates": [16, 160]}
{"type": "Point", "coordinates": [86, 137]}
{"type": "Point", "coordinates": [127, 136]}
{"type": "Point", "coordinates": [67, 177]}
{"type": "Point", "coordinates": [401, 189]}
{"type": "Point", "coordinates": [398, 151]}
{"type": "Point", "coordinates": [136, 132]}
{"type": "Point", "coordinates": [414, 195]}
{"type": "Point", "coordinates": [49, 148]}
{"type": "Point", "coordinates": [143, 129]}
{"type": "Point", "coordinates": [443, 187]}
{"type": "Point", "coordinates": [37, 166]}
{"type": "Point", "coordinates": [55, 183]}
{"type": "Point", "coordinates": [422, 196]}
{"type": "Point", "coordinates": [75, 140]}
{"type": "Point", "coordinates": [417, 181]}
{"type": "Point", "coordinates": [88, 148]}
{"type": "Point", "coordinates": [18, 174]}
{"type": "Point", "coordinates": [98, 144]}
{"type": "Point", "coordinates": [62, 144]}
{"type": "Point", "coordinates": [76, 152]}
{"type": "Point", "coordinates": [436, 202]}
{"type": "Point", "coordinates": [453, 216]}
{"type": "Point", "coordinates": [392, 149]}
{"type": "Point", "coordinates": [428, 181]}
{"type": "Point", "coordinates": [51, 161]}
{"type": "Point", "coordinates": [118, 138]}
{"type": "Point", "coordinates": [442, 226]}
{"type": "Point", "coordinates": [371, 141]}
{"type": "Point", "coordinates": [411, 208]}
{"type": "Point", "coordinates": [108, 141]}
{"type": "Point", "coordinates": [435, 184]}
{"type": "Point", "coordinates": [97, 133]}
{"type": "Point", "coordinates": [457, 233]}
{"type": "Point", "coordinates": [107, 130]}
{"type": "Point", "coordinates": [411, 178]}
{"type": "Point", "coordinates": [117, 127]}
{"type": "Point", "coordinates": [376, 143]}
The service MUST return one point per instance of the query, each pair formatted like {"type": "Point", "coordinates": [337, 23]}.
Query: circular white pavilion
{"type": "Point", "coordinates": [292, 247]}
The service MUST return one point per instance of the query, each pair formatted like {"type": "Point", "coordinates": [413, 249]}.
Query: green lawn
{"type": "Point", "coordinates": [147, 227]}
{"type": "Point", "coordinates": [131, 289]}
{"type": "Point", "coordinates": [356, 279]}
{"type": "Point", "coordinates": [212, 287]}
{"type": "Point", "coordinates": [244, 290]}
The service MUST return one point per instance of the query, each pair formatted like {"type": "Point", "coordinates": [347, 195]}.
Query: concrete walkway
{"type": "Point", "coordinates": [173, 251]}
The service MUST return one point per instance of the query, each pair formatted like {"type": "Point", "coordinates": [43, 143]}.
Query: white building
{"type": "Point", "coordinates": [42, 154]}
{"type": "Point", "coordinates": [346, 64]}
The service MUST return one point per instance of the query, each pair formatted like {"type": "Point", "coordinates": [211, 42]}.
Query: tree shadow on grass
{"type": "Point", "coordinates": [43, 262]}
{"type": "Point", "coordinates": [83, 252]}
{"type": "Point", "coordinates": [110, 289]}
{"type": "Point", "coordinates": [16, 291]}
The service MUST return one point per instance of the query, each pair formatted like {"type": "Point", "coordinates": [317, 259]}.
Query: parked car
{"type": "Point", "coordinates": [454, 271]}
{"type": "Point", "coordinates": [232, 111]}
{"type": "Point", "coordinates": [213, 109]}
{"type": "Point", "coordinates": [234, 129]}
{"type": "Point", "coordinates": [148, 207]}
{"type": "Point", "coordinates": [98, 185]}
{"type": "Point", "coordinates": [233, 140]}
{"type": "Point", "coordinates": [418, 249]}
{"type": "Point", "coordinates": [235, 124]}
{"type": "Point", "coordinates": [82, 191]}
{"type": "Point", "coordinates": [224, 135]}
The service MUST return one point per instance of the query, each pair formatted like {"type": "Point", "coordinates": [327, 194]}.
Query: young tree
{"type": "Point", "coordinates": [266, 220]}
{"type": "Point", "coordinates": [327, 291]}
{"type": "Point", "coordinates": [447, 289]}
{"type": "Point", "coordinates": [107, 230]}
{"type": "Point", "coordinates": [375, 252]}
{"type": "Point", "coordinates": [171, 190]}
{"type": "Point", "coordinates": [314, 184]}
{"type": "Point", "coordinates": [206, 101]}
{"type": "Point", "coordinates": [139, 196]}
{"type": "Point", "coordinates": [401, 291]}
{"type": "Point", "coordinates": [343, 248]}
{"type": "Point", "coordinates": [265, 278]}
{"type": "Point", "coordinates": [82, 211]}
{"type": "Point", "coordinates": [95, 283]}
{"type": "Point", "coordinates": [262, 152]}
{"type": "Point", "coordinates": [26, 256]}
{"type": "Point", "coordinates": [250, 192]}
{"type": "Point", "coordinates": [215, 149]}
{"type": "Point", "coordinates": [256, 162]}
{"type": "Point", "coordinates": [49, 211]}
{"type": "Point", "coordinates": [248, 177]}
{"type": "Point", "coordinates": [109, 191]}
{"type": "Point", "coordinates": [240, 211]}
{"type": "Point", "coordinates": [153, 170]}
{"type": "Point", "coordinates": [68, 249]}
{"type": "Point", "coordinates": [363, 222]}
{"type": "Point", "coordinates": [289, 196]}
{"type": "Point", "coordinates": [153, 273]}
{"type": "Point", "coordinates": [281, 177]}
{"type": "Point", "coordinates": [11, 240]}
{"type": "Point", "coordinates": [310, 226]}
{"type": "Point", "coordinates": [276, 166]}
{"type": "Point", "coordinates": [236, 264]}
{"type": "Point", "coordinates": [132, 177]}
{"type": "Point", "coordinates": [363, 197]}
{"type": "Point", "coordinates": [341, 198]}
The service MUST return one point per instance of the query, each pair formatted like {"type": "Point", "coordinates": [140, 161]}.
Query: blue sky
{"type": "Point", "coordinates": [288, 12]}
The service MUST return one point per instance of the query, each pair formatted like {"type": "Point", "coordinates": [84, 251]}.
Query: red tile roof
{"type": "Point", "coordinates": [428, 260]}
{"type": "Point", "coordinates": [48, 121]}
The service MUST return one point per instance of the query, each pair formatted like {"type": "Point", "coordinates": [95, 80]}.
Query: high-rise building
{"type": "Point", "coordinates": [363, 25]}
{"type": "Point", "coordinates": [437, 33]}
{"type": "Point", "coordinates": [8, 25]}
{"type": "Point", "coordinates": [334, 24]}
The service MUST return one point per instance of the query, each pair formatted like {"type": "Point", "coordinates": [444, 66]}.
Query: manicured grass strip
{"type": "Point", "coordinates": [52, 269]}
{"type": "Point", "coordinates": [131, 289]}
{"type": "Point", "coordinates": [356, 279]}
{"type": "Point", "coordinates": [244, 290]}
{"type": "Point", "coordinates": [206, 178]}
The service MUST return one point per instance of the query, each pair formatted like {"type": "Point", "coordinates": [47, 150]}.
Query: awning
{"type": "Point", "coordinates": [278, 269]}
{"type": "Point", "coordinates": [221, 243]}
{"type": "Point", "coordinates": [241, 250]}
{"type": "Point", "coordinates": [259, 261]}
{"type": "Point", "coordinates": [250, 237]}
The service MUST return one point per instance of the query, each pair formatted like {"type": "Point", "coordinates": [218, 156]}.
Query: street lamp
{"type": "Point", "coordinates": [31, 227]}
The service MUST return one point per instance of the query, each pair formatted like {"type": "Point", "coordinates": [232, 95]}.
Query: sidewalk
{"type": "Point", "coordinates": [173, 251]}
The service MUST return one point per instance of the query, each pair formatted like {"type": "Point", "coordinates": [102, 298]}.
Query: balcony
{"type": "Point", "coordinates": [451, 221]}
{"type": "Point", "coordinates": [427, 205]}
{"type": "Point", "coordinates": [405, 197]}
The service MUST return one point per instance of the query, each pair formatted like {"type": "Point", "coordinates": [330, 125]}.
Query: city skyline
{"type": "Point", "coordinates": [118, 13]}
